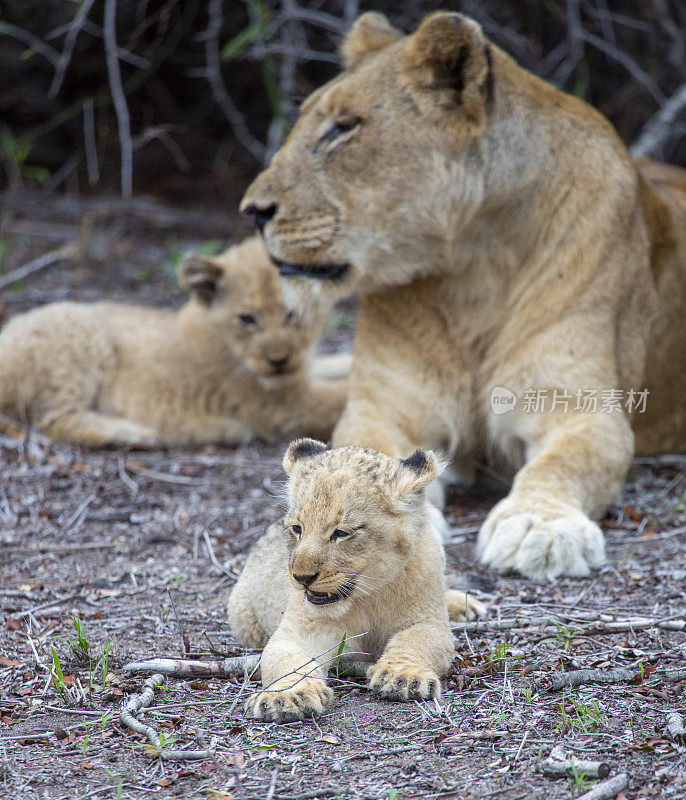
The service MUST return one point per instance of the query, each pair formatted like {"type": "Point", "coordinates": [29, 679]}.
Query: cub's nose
{"type": "Point", "coordinates": [306, 580]}
{"type": "Point", "coordinates": [260, 214]}
{"type": "Point", "coordinates": [278, 364]}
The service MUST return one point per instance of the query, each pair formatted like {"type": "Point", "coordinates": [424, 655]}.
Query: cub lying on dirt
{"type": "Point", "coordinates": [364, 563]}
{"type": "Point", "coordinates": [232, 362]}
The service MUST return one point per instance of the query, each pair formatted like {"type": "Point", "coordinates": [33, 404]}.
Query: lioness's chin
{"type": "Point", "coordinates": [321, 272]}
{"type": "Point", "coordinates": [307, 296]}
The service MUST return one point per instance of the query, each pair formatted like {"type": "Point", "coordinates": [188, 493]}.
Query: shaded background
{"type": "Point", "coordinates": [187, 99]}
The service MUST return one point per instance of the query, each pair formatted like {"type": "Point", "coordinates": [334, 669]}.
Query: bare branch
{"type": "Point", "coordinates": [118, 98]}
{"type": "Point", "coordinates": [69, 42]}
{"type": "Point", "coordinates": [658, 128]}
{"type": "Point", "coordinates": [38, 264]}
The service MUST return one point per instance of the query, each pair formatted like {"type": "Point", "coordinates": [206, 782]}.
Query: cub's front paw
{"type": "Point", "coordinates": [394, 680]}
{"type": "Point", "coordinates": [539, 539]}
{"type": "Point", "coordinates": [306, 698]}
{"type": "Point", "coordinates": [462, 606]}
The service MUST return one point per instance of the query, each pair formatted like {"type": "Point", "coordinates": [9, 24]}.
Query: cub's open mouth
{"type": "Point", "coordinates": [321, 272]}
{"type": "Point", "coordinates": [324, 598]}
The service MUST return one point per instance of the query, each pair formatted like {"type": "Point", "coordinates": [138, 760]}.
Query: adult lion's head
{"type": "Point", "coordinates": [385, 162]}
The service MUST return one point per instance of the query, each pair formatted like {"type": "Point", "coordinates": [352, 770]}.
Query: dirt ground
{"type": "Point", "coordinates": [143, 547]}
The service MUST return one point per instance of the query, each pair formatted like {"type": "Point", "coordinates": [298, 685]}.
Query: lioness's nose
{"type": "Point", "coordinates": [306, 580]}
{"type": "Point", "coordinates": [261, 214]}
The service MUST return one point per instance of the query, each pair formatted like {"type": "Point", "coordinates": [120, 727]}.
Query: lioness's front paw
{"type": "Point", "coordinates": [540, 540]}
{"type": "Point", "coordinates": [462, 606]}
{"type": "Point", "coordinates": [306, 698]}
{"type": "Point", "coordinates": [394, 680]}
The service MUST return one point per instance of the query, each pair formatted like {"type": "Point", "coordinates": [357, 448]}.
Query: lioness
{"type": "Point", "coordinates": [232, 362]}
{"type": "Point", "coordinates": [505, 248]}
{"type": "Point", "coordinates": [365, 563]}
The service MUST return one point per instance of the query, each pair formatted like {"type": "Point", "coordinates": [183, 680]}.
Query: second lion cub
{"type": "Point", "coordinates": [364, 564]}
{"type": "Point", "coordinates": [232, 362]}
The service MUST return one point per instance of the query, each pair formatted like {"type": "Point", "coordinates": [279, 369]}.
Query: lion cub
{"type": "Point", "coordinates": [232, 362]}
{"type": "Point", "coordinates": [364, 563]}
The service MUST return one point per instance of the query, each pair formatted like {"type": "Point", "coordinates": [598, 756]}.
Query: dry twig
{"type": "Point", "coordinates": [579, 677]}
{"type": "Point", "coordinates": [675, 728]}
{"type": "Point", "coordinates": [38, 264]}
{"type": "Point", "coordinates": [143, 700]}
{"type": "Point", "coordinates": [607, 789]}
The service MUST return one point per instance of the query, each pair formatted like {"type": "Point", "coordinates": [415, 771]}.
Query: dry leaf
{"type": "Point", "coordinates": [327, 738]}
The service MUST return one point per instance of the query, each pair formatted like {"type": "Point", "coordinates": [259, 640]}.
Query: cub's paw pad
{"type": "Point", "coordinates": [463, 607]}
{"type": "Point", "coordinates": [304, 699]}
{"type": "Point", "coordinates": [540, 541]}
{"type": "Point", "coordinates": [403, 682]}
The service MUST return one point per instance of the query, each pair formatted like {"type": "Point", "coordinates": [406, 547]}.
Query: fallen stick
{"type": "Point", "coordinates": [238, 665]}
{"type": "Point", "coordinates": [675, 728]}
{"type": "Point", "coordinates": [578, 677]}
{"type": "Point", "coordinates": [574, 767]}
{"type": "Point", "coordinates": [607, 790]}
{"type": "Point", "coordinates": [38, 264]}
{"type": "Point", "coordinates": [547, 626]}
{"type": "Point", "coordinates": [143, 700]}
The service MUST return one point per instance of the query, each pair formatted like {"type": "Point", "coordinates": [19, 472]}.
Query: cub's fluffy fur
{"type": "Point", "coordinates": [232, 362]}
{"type": "Point", "coordinates": [358, 557]}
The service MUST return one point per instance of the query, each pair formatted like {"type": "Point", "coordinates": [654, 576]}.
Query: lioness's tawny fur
{"type": "Point", "coordinates": [502, 242]}
{"type": "Point", "coordinates": [233, 362]}
{"type": "Point", "coordinates": [364, 562]}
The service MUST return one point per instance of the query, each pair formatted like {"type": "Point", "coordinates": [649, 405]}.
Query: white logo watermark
{"type": "Point", "coordinates": [546, 401]}
{"type": "Point", "coordinates": [502, 400]}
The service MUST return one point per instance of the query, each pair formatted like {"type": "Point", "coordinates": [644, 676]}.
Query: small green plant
{"type": "Point", "coordinates": [578, 783]}
{"type": "Point", "coordinates": [393, 794]}
{"type": "Point", "coordinates": [565, 637]}
{"type": "Point", "coordinates": [164, 740]}
{"type": "Point", "coordinates": [79, 647]}
{"type": "Point", "coordinates": [580, 717]}
{"type": "Point", "coordinates": [336, 666]}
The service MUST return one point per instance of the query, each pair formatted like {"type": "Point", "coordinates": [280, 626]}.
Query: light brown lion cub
{"type": "Point", "coordinates": [364, 564]}
{"type": "Point", "coordinates": [231, 363]}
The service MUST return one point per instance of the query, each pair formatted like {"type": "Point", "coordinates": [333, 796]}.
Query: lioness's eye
{"type": "Point", "coordinates": [338, 534]}
{"type": "Point", "coordinates": [340, 127]}
{"type": "Point", "coordinates": [247, 319]}
{"type": "Point", "coordinates": [296, 529]}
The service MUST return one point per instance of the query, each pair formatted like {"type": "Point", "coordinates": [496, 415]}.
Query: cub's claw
{"type": "Point", "coordinates": [397, 681]}
{"type": "Point", "coordinates": [306, 698]}
{"type": "Point", "coordinates": [463, 607]}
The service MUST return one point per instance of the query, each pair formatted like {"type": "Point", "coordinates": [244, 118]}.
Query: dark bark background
{"type": "Point", "coordinates": [208, 88]}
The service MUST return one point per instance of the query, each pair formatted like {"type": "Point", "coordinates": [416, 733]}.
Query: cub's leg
{"type": "Point", "coordinates": [260, 596]}
{"type": "Point", "coordinates": [542, 528]}
{"type": "Point", "coordinates": [294, 667]}
{"type": "Point", "coordinates": [92, 429]}
{"type": "Point", "coordinates": [412, 663]}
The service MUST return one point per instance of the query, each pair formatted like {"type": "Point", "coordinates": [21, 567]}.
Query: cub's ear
{"type": "Point", "coordinates": [449, 58]}
{"type": "Point", "coordinates": [302, 449]}
{"type": "Point", "coordinates": [370, 32]}
{"type": "Point", "coordinates": [200, 276]}
{"type": "Point", "coordinates": [417, 471]}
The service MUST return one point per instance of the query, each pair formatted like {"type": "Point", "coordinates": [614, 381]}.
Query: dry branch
{"type": "Point", "coordinates": [38, 264]}
{"type": "Point", "coordinates": [118, 98]}
{"type": "Point", "coordinates": [675, 728]}
{"type": "Point", "coordinates": [238, 665]}
{"type": "Point", "coordinates": [143, 700]}
{"type": "Point", "coordinates": [559, 765]}
{"type": "Point", "coordinates": [579, 677]}
{"type": "Point", "coordinates": [608, 789]}
{"type": "Point", "coordinates": [547, 625]}
{"type": "Point", "coordinates": [656, 131]}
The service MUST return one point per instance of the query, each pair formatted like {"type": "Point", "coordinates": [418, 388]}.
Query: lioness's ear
{"type": "Point", "coordinates": [416, 472]}
{"type": "Point", "coordinates": [370, 32]}
{"type": "Point", "coordinates": [200, 276]}
{"type": "Point", "coordinates": [299, 449]}
{"type": "Point", "coordinates": [449, 57]}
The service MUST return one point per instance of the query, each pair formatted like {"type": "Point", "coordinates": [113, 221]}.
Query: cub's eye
{"type": "Point", "coordinates": [338, 534]}
{"type": "Point", "coordinates": [247, 320]}
{"type": "Point", "coordinates": [296, 529]}
{"type": "Point", "coordinates": [290, 316]}
{"type": "Point", "coordinates": [339, 128]}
